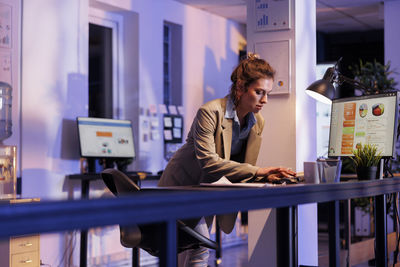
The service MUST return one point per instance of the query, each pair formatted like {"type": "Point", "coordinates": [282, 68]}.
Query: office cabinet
{"type": "Point", "coordinates": [20, 251]}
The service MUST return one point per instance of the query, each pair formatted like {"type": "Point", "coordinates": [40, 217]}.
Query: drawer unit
{"type": "Point", "coordinates": [20, 251]}
{"type": "Point", "coordinates": [23, 244]}
{"type": "Point", "coordinates": [27, 259]}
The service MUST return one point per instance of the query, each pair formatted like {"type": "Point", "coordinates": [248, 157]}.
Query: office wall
{"type": "Point", "coordinates": [54, 91]}
{"type": "Point", "coordinates": [210, 51]}
{"type": "Point", "coordinates": [392, 37]}
{"type": "Point", "coordinates": [289, 134]}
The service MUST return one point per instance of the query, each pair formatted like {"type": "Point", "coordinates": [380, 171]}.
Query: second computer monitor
{"type": "Point", "coordinates": [105, 138]}
{"type": "Point", "coordinates": [363, 120]}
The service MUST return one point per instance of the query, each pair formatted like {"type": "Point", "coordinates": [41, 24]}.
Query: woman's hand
{"type": "Point", "coordinates": [273, 174]}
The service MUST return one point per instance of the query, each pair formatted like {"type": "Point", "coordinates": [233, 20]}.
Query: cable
{"type": "Point", "coordinates": [69, 244]}
{"type": "Point", "coordinates": [44, 264]}
{"type": "Point", "coordinates": [396, 252]}
{"type": "Point", "coordinates": [72, 248]}
{"type": "Point", "coordinates": [387, 168]}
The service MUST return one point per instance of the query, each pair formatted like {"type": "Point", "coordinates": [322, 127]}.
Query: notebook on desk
{"type": "Point", "coordinates": [224, 182]}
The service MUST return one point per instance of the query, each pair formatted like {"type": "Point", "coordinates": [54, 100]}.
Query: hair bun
{"type": "Point", "coordinates": [252, 56]}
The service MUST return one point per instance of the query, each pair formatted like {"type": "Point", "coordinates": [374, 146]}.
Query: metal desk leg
{"type": "Point", "coordinates": [218, 252]}
{"type": "Point", "coordinates": [135, 257]}
{"type": "Point", "coordinates": [381, 258]}
{"type": "Point", "coordinates": [333, 231]}
{"type": "Point", "coordinates": [347, 208]}
{"type": "Point", "coordinates": [168, 255]}
{"type": "Point", "coordinates": [286, 230]}
{"type": "Point", "coordinates": [83, 247]}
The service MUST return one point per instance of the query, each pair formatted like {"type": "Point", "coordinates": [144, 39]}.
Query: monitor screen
{"type": "Point", "coordinates": [363, 120]}
{"type": "Point", "coordinates": [105, 138]}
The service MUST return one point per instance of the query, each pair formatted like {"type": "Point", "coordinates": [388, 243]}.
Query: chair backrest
{"type": "Point", "coordinates": [148, 236]}
{"type": "Point", "coordinates": [118, 182]}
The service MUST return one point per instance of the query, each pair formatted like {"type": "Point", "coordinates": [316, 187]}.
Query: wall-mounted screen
{"type": "Point", "coordinates": [363, 120]}
{"type": "Point", "coordinates": [105, 138]}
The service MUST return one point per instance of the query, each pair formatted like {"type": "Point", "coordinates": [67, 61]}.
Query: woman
{"type": "Point", "coordinates": [224, 140]}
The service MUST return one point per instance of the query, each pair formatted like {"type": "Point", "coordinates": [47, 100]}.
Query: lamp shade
{"type": "Point", "coordinates": [323, 90]}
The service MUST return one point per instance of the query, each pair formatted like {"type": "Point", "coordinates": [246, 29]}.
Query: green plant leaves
{"type": "Point", "coordinates": [374, 75]}
{"type": "Point", "coordinates": [366, 156]}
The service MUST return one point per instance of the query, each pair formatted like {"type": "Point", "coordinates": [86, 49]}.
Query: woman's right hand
{"type": "Point", "coordinates": [275, 172]}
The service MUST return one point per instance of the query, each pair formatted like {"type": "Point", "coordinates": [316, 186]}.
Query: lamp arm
{"type": "Point", "coordinates": [355, 83]}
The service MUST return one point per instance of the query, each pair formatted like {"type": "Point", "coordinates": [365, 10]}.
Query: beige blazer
{"type": "Point", "coordinates": [205, 157]}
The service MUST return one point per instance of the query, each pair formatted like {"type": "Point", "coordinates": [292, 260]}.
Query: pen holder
{"type": "Point", "coordinates": [329, 170]}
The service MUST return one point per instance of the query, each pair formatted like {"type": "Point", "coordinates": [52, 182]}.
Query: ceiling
{"type": "Point", "coordinates": [332, 15]}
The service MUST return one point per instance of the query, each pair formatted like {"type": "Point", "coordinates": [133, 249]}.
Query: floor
{"type": "Point", "coordinates": [235, 256]}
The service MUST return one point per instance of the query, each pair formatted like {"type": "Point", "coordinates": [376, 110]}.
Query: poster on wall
{"type": "Point", "coordinates": [277, 53]}
{"type": "Point", "coordinates": [271, 15]}
{"type": "Point", "coordinates": [5, 26]}
{"type": "Point", "coordinates": [5, 67]}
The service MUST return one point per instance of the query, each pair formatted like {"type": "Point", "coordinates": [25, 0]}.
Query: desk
{"type": "Point", "coordinates": [168, 205]}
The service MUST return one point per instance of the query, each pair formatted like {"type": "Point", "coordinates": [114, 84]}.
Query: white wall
{"type": "Point", "coordinates": [54, 89]}
{"type": "Point", "coordinates": [289, 137]}
{"type": "Point", "coordinates": [392, 37]}
{"type": "Point", "coordinates": [210, 51]}
{"type": "Point", "coordinates": [54, 92]}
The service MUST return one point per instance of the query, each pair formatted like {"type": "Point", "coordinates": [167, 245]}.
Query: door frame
{"type": "Point", "coordinates": [115, 23]}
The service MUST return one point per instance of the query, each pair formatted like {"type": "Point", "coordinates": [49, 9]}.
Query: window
{"type": "Point", "coordinates": [172, 64]}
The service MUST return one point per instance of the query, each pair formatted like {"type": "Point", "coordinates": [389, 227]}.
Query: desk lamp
{"type": "Point", "coordinates": [324, 90]}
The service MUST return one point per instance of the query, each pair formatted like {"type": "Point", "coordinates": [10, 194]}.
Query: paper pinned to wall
{"type": "Point", "coordinates": [152, 109]}
{"type": "Point", "coordinates": [168, 135]}
{"type": "Point", "coordinates": [177, 132]}
{"type": "Point", "coordinates": [154, 123]}
{"type": "Point", "coordinates": [155, 135]}
{"type": "Point", "coordinates": [277, 53]}
{"type": "Point", "coordinates": [172, 110]}
{"type": "Point", "coordinates": [5, 67]}
{"type": "Point", "coordinates": [5, 26]}
{"type": "Point", "coordinates": [162, 109]}
{"type": "Point", "coordinates": [181, 110]}
{"type": "Point", "coordinates": [178, 122]}
{"type": "Point", "coordinates": [167, 122]}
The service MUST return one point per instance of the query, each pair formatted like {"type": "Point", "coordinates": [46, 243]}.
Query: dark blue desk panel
{"type": "Point", "coordinates": [159, 205]}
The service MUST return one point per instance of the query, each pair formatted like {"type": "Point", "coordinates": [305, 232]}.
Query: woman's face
{"type": "Point", "coordinates": [256, 95]}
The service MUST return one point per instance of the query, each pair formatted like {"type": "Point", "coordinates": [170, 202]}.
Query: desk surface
{"type": "Point", "coordinates": [158, 205]}
{"type": "Point", "coordinates": [96, 176]}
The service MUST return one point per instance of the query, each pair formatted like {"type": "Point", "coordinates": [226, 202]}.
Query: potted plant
{"type": "Point", "coordinates": [375, 76]}
{"type": "Point", "coordinates": [366, 159]}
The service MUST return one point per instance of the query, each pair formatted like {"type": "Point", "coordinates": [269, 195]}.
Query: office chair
{"type": "Point", "coordinates": [147, 237]}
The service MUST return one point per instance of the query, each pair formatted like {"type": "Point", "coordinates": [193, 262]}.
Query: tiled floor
{"type": "Point", "coordinates": [237, 256]}
{"type": "Point", "coordinates": [231, 257]}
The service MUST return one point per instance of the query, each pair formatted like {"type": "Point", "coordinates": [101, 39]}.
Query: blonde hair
{"type": "Point", "coordinates": [248, 71]}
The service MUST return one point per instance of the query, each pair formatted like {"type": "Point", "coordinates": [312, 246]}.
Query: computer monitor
{"type": "Point", "coordinates": [105, 138]}
{"type": "Point", "coordinates": [370, 119]}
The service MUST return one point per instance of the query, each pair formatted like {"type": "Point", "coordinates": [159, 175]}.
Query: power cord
{"type": "Point", "coordinates": [44, 264]}
{"type": "Point", "coordinates": [396, 252]}
{"type": "Point", "coordinates": [387, 168]}
{"type": "Point", "coordinates": [72, 248]}
{"type": "Point", "coordinates": [70, 245]}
